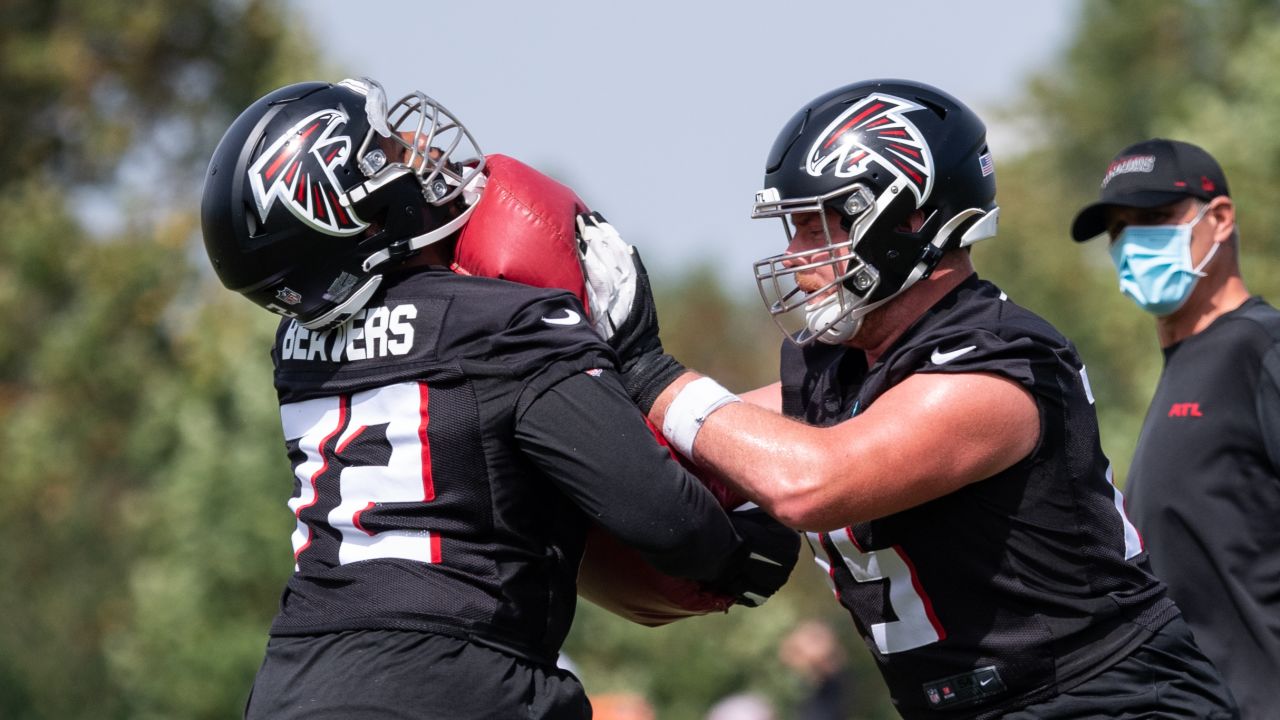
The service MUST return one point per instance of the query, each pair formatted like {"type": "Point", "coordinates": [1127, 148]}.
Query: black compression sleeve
{"type": "Point", "coordinates": [586, 435]}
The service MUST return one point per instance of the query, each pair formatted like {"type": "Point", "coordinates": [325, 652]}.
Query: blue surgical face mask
{"type": "Point", "coordinates": [1154, 264]}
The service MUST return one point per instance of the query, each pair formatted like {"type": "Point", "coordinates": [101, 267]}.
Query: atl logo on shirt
{"type": "Point", "coordinates": [1187, 409]}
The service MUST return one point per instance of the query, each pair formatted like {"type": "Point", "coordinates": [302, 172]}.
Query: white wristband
{"type": "Point", "coordinates": [693, 404]}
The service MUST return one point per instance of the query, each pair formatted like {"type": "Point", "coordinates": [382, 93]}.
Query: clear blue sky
{"type": "Point", "coordinates": [660, 113]}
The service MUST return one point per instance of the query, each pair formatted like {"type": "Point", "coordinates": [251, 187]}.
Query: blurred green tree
{"type": "Point", "coordinates": [135, 406]}
{"type": "Point", "coordinates": [1198, 71]}
{"type": "Point", "coordinates": [144, 472]}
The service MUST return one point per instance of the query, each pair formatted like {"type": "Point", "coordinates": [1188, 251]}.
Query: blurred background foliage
{"type": "Point", "coordinates": [144, 527]}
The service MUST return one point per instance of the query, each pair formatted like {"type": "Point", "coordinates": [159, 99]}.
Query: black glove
{"type": "Point", "coordinates": [762, 565]}
{"type": "Point", "coordinates": [616, 283]}
{"type": "Point", "coordinates": [646, 369]}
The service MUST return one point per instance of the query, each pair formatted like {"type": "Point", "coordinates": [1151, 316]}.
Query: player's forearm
{"type": "Point", "coordinates": [778, 463]}
{"type": "Point", "coordinates": [622, 478]}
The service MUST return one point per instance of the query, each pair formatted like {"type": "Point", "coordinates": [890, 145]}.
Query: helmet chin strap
{"type": "Point", "coordinates": [824, 319]}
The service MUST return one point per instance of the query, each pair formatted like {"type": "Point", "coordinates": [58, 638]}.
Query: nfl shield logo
{"type": "Point", "coordinates": [934, 698]}
{"type": "Point", "coordinates": [289, 297]}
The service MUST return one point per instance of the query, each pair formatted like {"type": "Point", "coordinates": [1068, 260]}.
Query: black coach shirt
{"type": "Point", "coordinates": [450, 444]}
{"type": "Point", "coordinates": [1204, 490]}
{"type": "Point", "coordinates": [1010, 589]}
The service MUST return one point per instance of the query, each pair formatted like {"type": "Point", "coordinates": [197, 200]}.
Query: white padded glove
{"type": "Point", "coordinates": [609, 270]}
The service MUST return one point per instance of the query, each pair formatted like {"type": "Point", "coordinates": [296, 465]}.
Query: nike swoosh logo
{"type": "Point", "coordinates": [760, 558]}
{"type": "Point", "coordinates": [570, 318]}
{"type": "Point", "coordinates": [942, 358]}
{"type": "Point", "coordinates": [985, 681]}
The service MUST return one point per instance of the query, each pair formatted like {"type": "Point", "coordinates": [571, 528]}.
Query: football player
{"type": "Point", "coordinates": [452, 436]}
{"type": "Point", "coordinates": [937, 441]}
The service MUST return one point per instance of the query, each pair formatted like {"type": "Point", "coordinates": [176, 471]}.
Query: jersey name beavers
{"type": "Point", "coordinates": [372, 333]}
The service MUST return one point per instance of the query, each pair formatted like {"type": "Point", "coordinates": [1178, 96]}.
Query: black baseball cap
{"type": "Point", "coordinates": [1150, 174]}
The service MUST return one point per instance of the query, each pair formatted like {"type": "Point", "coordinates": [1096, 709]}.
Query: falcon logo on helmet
{"type": "Point", "coordinates": [875, 129]}
{"type": "Point", "coordinates": [297, 169]}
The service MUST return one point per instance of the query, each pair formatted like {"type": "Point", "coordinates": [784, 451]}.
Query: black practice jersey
{"type": "Point", "coordinates": [450, 444]}
{"type": "Point", "coordinates": [1013, 588]}
{"type": "Point", "coordinates": [1204, 490]}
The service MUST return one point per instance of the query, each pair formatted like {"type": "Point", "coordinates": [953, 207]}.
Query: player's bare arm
{"type": "Point", "coordinates": [768, 397]}
{"type": "Point", "coordinates": [889, 458]}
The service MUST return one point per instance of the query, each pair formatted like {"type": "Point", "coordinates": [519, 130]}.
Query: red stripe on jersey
{"type": "Point", "coordinates": [355, 518]}
{"type": "Point", "coordinates": [352, 436]}
{"type": "Point", "coordinates": [435, 548]}
{"type": "Point", "coordinates": [428, 484]}
{"type": "Point", "coordinates": [344, 409]}
{"type": "Point", "coordinates": [924, 596]}
{"type": "Point", "coordinates": [848, 531]}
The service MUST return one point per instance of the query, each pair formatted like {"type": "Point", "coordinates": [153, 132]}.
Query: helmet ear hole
{"type": "Point", "coordinates": [377, 221]}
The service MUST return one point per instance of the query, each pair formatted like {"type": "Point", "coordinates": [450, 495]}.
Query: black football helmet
{"type": "Point", "coordinates": [874, 152]}
{"type": "Point", "coordinates": [317, 186]}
